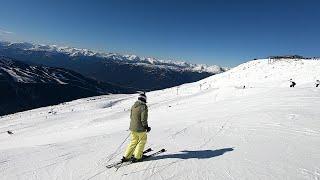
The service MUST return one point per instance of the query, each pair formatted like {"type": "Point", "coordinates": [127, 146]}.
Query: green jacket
{"type": "Point", "coordinates": [139, 117]}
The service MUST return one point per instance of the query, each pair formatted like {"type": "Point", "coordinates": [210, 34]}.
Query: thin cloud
{"type": "Point", "coordinates": [4, 32]}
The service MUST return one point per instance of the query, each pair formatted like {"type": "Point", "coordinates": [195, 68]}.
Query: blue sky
{"type": "Point", "coordinates": [224, 32]}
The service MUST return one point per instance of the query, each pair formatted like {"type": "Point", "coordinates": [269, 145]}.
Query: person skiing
{"type": "Point", "coordinates": [317, 83]}
{"type": "Point", "coordinates": [139, 128]}
{"type": "Point", "coordinates": [292, 83]}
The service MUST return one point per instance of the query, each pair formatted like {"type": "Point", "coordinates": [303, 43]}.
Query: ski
{"type": "Point", "coordinates": [117, 166]}
{"type": "Point", "coordinates": [120, 162]}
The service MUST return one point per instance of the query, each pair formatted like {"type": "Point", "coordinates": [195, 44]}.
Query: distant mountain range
{"type": "Point", "coordinates": [24, 86]}
{"type": "Point", "coordinates": [124, 70]}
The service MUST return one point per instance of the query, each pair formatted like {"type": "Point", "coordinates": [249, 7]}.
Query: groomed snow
{"type": "Point", "coordinates": [212, 129]}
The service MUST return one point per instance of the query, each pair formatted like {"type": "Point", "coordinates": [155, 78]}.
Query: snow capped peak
{"type": "Point", "coordinates": [63, 49]}
{"type": "Point", "coordinates": [132, 57]}
{"type": "Point", "coordinates": [76, 51]}
{"type": "Point", "coordinates": [151, 60]}
{"type": "Point", "coordinates": [20, 45]}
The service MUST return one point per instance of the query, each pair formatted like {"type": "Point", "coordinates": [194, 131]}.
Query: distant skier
{"type": "Point", "coordinates": [317, 83]}
{"type": "Point", "coordinates": [139, 128]}
{"type": "Point", "coordinates": [292, 83]}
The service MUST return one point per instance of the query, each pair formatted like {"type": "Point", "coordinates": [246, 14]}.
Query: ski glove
{"type": "Point", "coordinates": [148, 129]}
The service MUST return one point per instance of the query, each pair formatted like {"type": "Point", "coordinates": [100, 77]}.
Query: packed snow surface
{"type": "Point", "coordinates": [212, 129]}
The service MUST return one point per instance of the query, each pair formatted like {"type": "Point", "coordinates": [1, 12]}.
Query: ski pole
{"type": "Point", "coordinates": [133, 148]}
{"type": "Point", "coordinates": [113, 154]}
{"type": "Point", "coordinates": [137, 143]}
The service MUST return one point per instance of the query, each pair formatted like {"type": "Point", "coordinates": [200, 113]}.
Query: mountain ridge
{"type": "Point", "coordinates": [124, 70]}
{"type": "Point", "coordinates": [129, 58]}
{"type": "Point", "coordinates": [24, 86]}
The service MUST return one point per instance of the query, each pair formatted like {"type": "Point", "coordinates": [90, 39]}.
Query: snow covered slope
{"type": "Point", "coordinates": [212, 129]}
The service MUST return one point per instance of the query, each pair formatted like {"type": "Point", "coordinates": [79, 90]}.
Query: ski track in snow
{"type": "Point", "coordinates": [216, 131]}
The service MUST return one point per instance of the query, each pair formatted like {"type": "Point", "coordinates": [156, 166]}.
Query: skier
{"type": "Point", "coordinates": [317, 83]}
{"type": "Point", "coordinates": [139, 128]}
{"type": "Point", "coordinates": [292, 83]}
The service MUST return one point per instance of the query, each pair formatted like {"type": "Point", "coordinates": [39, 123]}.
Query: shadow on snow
{"type": "Point", "coordinates": [201, 154]}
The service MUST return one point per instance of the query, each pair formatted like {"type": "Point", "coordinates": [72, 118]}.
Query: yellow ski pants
{"type": "Point", "coordinates": [136, 146]}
